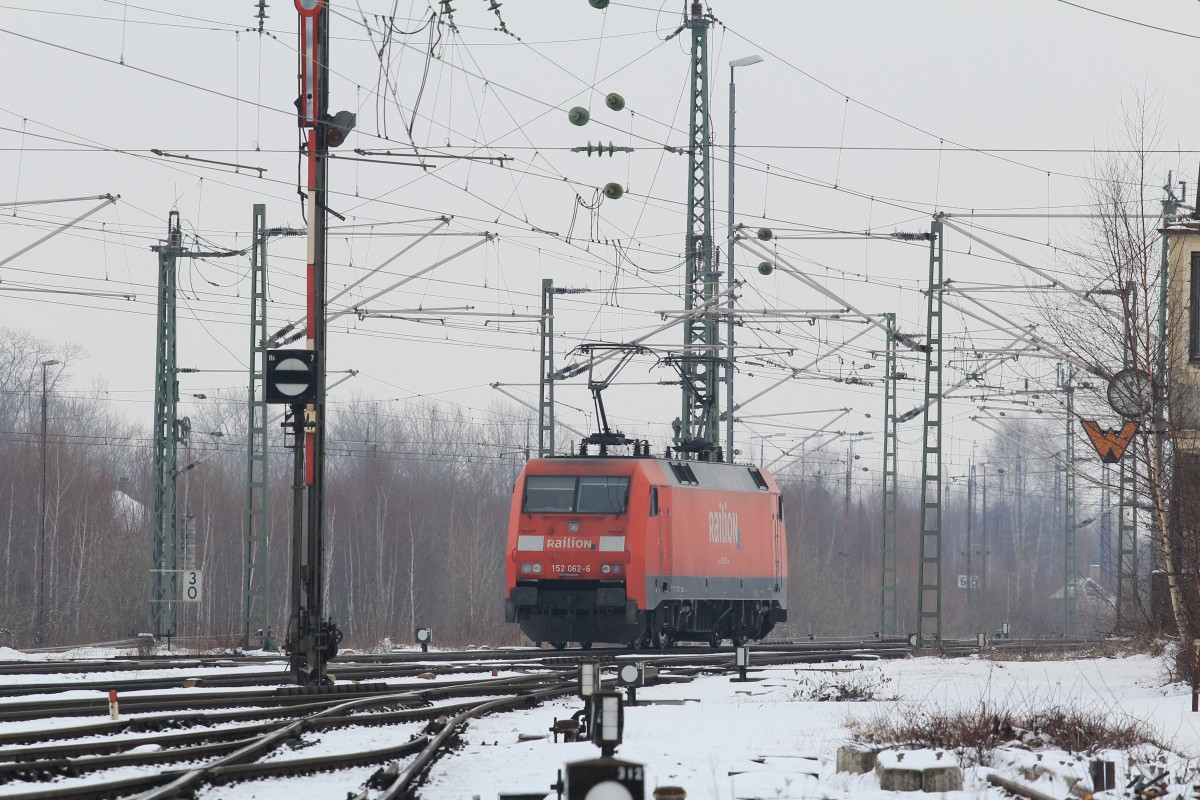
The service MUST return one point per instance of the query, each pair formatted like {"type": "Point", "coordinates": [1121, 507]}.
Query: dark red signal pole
{"type": "Point", "coordinates": [313, 639]}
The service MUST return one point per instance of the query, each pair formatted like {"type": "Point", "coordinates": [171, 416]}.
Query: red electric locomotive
{"type": "Point", "coordinates": [645, 551]}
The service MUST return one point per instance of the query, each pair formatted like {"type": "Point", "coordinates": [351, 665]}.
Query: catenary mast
{"type": "Point", "coordinates": [697, 432]}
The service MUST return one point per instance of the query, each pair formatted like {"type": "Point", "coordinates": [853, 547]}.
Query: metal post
{"type": "Point", "coordinates": [889, 620]}
{"type": "Point", "coordinates": [698, 420]}
{"type": "Point", "coordinates": [1070, 583]}
{"type": "Point", "coordinates": [256, 597]}
{"type": "Point", "coordinates": [41, 559]}
{"type": "Point", "coordinates": [1170, 206]}
{"type": "Point", "coordinates": [164, 515]}
{"type": "Point", "coordinates": [546, 374]}
{"type": "Point", "coordinates": [1106, 526]}
{"type": "Point", "coordinates": [298, 622]}
{"type": "Point", "coordinates": [1127, 555]}
{"type": "Point", "coordinates": [1127, 499]}
{"type": "Point", "coordinates": [983, 547]}
{"type": "Point", "coordinates": [729, 277]}
{"type": "Point", "coordinates": [164, 521]}
{"type": "Point", "coordinates": [929, 573]}
{"type": "Point", "coordinates": [972, 586]}
{"type": "Point", "coordinates": [314, 638]}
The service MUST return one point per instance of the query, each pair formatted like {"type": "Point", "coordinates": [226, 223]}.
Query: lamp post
{"type": "Point", "coordinates": [737, 62]}
{"type": "Point", "coordinates": [41, 559]}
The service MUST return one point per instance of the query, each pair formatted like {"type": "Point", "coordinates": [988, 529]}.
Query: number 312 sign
{"type": "Point", "coordinates": [191, 585]}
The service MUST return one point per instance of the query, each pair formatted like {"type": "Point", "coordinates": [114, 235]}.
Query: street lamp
{"type": "Point", "coordinates": [737, 62]}
{"type": "Point", "coordinates": [41, 593]}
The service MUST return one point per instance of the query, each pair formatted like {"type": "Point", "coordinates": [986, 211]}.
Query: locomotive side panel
{"type": "Point", "coordinates": [722, 559]}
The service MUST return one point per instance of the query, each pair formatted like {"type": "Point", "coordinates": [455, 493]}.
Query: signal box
{"type": "Point", "coordinates": [608, 778]}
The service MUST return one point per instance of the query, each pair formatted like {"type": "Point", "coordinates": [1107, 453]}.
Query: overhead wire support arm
{"type": "Point", "coordinates": [796, 371]}
{"type": "Point", "coordinates": [499, 387]}
{"type": "Point", "coordinates": [19, 203]}
{"type": "Point", "coordinates": [1022, 332]}
{"type": "Point", "coordinates": [109, 199]}
{"type": "Point", "coordinates": [194, 159]}
{"type": "Point", "coordinates": [710, 307]}
{"type": "Point", "coordinates": [295, 329]}
{"type": "Point", "coordinates": [452, 156]}
{"type": "Point", "coordinates": [782, 264]}
{"type": "Point", "coordinates": [819, 431]}
{"type": "Point", "coordinates": [1083, 296]}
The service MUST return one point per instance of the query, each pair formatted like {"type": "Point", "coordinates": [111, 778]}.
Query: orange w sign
{"type": "Point", "coordinates": [1109, 444]}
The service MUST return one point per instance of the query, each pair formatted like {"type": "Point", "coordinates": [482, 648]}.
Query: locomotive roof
{"type": "Point", "coordinates": [699, 474]}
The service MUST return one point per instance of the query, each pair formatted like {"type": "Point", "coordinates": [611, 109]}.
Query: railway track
{"type": "Point", "coordinates": [238, 725]}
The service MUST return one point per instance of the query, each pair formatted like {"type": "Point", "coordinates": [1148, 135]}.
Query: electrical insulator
{"type": "Point", "coordinates": [766, 234]}
{"type": "Point", "coordinates": [613, 191]}
{"type": "Point", "coordinates": [598, 3]}
{"type": "Point", "coordinates": [765, 268]}
{"type": "Point", "coordinates": [614, 101]}
{"type": "Point", "coordinates": [579, 115]}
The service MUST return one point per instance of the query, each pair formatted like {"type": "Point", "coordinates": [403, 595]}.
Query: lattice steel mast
{"type": "Point", "coordinates": [256, 565]}
{"type": "Point", "coordinates": [165, 539]}
{"type": "Point", "coordinates": [697, 431]}
{"type": "Point", "coordinates": [889, 620]}
{"type": "Point", "coordinates": [929, 571]}
{"type": "Point", "coordinates": [1070, 570]}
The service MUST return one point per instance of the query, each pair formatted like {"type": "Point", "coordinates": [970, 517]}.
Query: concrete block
{"type": "Point", "coordinates": [942, 779]}
{"type": "Point", "coordinates": [917, 770]}
{"type": "Point", "coordinates": [856, 759]}
{"type": "Point", "coordinates": [899, 779]}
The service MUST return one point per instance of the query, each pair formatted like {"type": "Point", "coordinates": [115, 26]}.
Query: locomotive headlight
{"type": "Point", "coordinates": [537, 568]}
{"type": "Point", "coordinates": [616, 568]}
{"type": "Point", "coordinates": [606, 569]}
{"type": "Point", "coordinates": [526, 568]}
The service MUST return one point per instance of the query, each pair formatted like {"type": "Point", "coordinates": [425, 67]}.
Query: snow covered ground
{"type": "Point", "coordinates": [725, 740]}
{"type": "Point", "coordinates": [756, 740]}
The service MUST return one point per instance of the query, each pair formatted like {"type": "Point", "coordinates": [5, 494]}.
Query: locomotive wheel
{"type": "Point", "coordinates": [660, 639]}
{"type": "Point", "coordinates": [739, 639]}
{"type": "Point", "coordinates": [714, 640]}
{"type": "Point", "coordinates": [585, 645]}
{"type": "Point", "coordinates": [559, 645]}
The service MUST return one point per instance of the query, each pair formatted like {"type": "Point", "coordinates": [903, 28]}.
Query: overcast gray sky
{"type": "Point", "coordinates": [863, 116]}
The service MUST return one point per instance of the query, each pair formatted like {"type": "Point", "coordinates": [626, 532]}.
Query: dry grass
{"type": "Point", "coordinates": [859, 685]}
{"type": "Point", "coordinates": [974, 734]}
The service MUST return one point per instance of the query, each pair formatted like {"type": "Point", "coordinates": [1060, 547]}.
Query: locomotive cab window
{"type": "Point", "coordinates": [654, 501]}
{"type": "Point", "coordinates": [549, 494]}
{"type": "Point", "coordinates": [568, 494]}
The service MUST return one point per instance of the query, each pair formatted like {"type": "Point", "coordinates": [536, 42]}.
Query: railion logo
{"type": "Point", "coordinates": [569, 543]}
{"type": "Point", "coordinates": [723, 527]}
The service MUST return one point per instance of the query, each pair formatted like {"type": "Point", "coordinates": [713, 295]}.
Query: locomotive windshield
{"type": "Point", "coordinates": [584, 494]}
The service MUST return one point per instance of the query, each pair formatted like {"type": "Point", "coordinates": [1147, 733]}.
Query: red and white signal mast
{"type": "Point", "coordinates": [312, 639]}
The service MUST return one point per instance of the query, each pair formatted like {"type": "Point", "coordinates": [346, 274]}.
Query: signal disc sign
{"type": "Point", "coordinates": [291, 376]}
